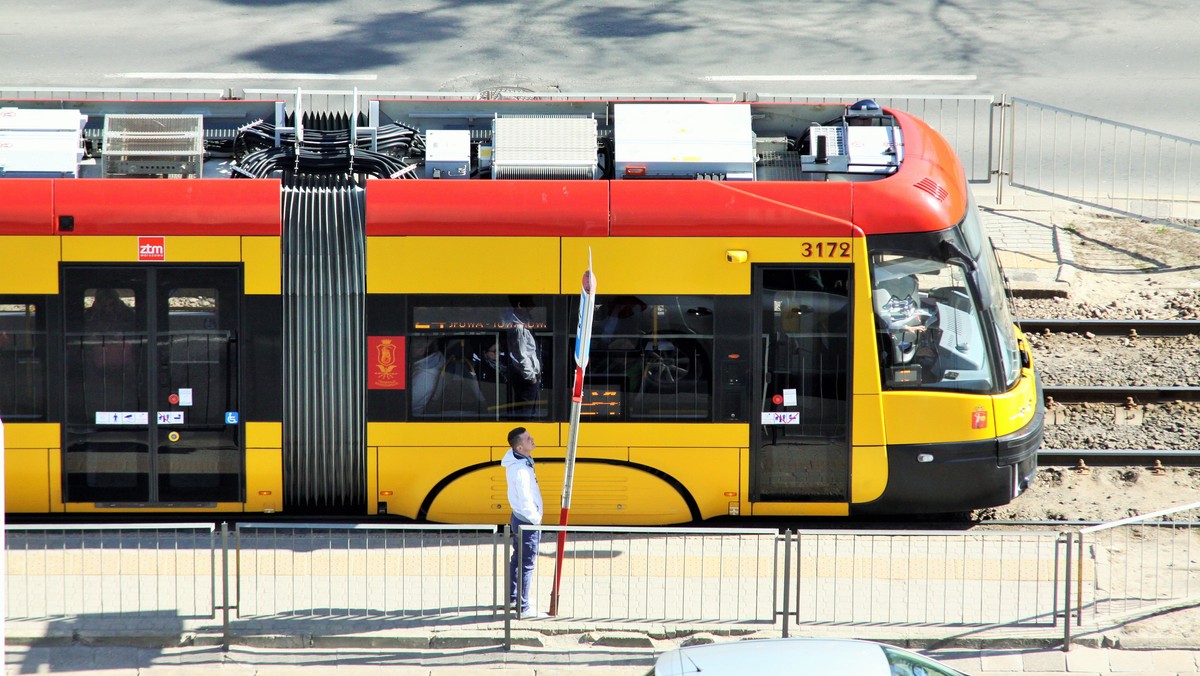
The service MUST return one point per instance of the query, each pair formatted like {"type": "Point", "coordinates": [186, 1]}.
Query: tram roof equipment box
{"type": "Point", "coordinates": [41, 143]}
{"type": "Point", "coordinates": [154, 146]}
{"type": "Point", "coordinates": [683, 140]}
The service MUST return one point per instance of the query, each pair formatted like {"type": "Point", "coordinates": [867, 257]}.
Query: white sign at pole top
{"type": "Point", "coordinates": [587, 305]}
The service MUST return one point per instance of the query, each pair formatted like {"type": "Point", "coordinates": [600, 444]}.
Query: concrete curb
{"type": "Point", "coordinates": [634, 640]}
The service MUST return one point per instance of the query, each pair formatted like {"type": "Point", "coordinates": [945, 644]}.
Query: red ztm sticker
{"type": "Point", "coordinates": [152, 248]}
{"type": "Point", "coordinates": [978, 420]}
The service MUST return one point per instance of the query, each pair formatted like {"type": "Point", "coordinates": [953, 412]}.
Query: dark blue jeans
{"type": "Point", "coordinates": [526, 545]}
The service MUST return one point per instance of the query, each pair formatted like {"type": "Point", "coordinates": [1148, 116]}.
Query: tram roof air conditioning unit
{"type": "Point", "coordinates": [41, 143]}
{"type": "Point", "coordinates": [544, 147]}
{"type": "Point", "coordinates": [154, 146]}
{"type": "Point", "coordinates": [683, 140]}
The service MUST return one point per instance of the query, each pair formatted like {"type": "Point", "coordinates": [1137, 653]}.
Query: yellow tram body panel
{"type": "Point", "coordinates": [868, 473]}
{"type": "Point", "coordinates": [264, 467]}
{"type": "Point", "coordinates": [462, 265]}
{"type": "Point", "coordinates": [700, 265]}
{"type": "Point", "coordinates": [30, 264]}
{"type": "Point", "coordinates": [938, 417]}
{"type": "Point", "coordinates": [262, 275]}
{"type": "Point", "coordinates": [31, 467]}
{"type": "Point", "coordinates": [631, 484]}
{"type": "Point", "coordinates": [177, 249]}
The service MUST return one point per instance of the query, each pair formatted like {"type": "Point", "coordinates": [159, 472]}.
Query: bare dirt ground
{"type": "Point", "coordinates": [1123, 269]}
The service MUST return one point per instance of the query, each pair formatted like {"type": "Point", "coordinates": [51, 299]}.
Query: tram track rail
{"type": "Point", "coordinates": [1152, 458]}
{"type": "Point", "coordinates": [1119, 394]}
{"type": "Point", "coordinates": [1113, 327]}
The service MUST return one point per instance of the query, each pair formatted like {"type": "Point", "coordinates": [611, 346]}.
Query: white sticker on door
{"type": "Point", "coordinates": [780, 418]}
{"type": "Point", "coordinates": [122, 418]}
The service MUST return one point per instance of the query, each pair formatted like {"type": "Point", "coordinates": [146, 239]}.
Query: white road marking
{"type": "Point", "coordinates": [840, 78]}
{"type": "Point", "coordinates": [243, 76]}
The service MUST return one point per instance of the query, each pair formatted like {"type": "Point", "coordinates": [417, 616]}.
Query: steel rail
{"type": "Point", "coordinates": [1113, 327]}
{"type": "Point", "coordinates": [1121, 393]}
{"type": "Point", "coordinates": [1063, 457]}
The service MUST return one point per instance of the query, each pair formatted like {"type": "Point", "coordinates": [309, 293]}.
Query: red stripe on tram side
{"type": "Point", "coordinates": [132, 206]}
{"type": "Point", "coordinates": [27, 206]}
{"type": "Point", "coordinates": [484, 207]}
{"type": "Point", "coordinates": [658, 208]}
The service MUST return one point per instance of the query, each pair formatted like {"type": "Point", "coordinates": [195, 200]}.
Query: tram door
{"type": "Point", "coordinates": [151, 385]}
{"type": "Point", "coordinates": [800, 449]}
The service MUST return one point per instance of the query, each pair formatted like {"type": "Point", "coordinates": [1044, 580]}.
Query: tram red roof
{"type": "Point", "coordinates": [131, 206]}
{"type": "Point", "coordinates": [927, 193]}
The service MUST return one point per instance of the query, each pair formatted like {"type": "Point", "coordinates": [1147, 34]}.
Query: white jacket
{"type": "Point", "coordinates": [524, 496]}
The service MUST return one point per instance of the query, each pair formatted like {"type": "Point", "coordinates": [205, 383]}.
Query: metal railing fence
{"type": "Point", "coordinates": [944, 578]}
{"type": "Point", "coordinates": [1099, 162]}
{"type": "Point", "coordinates": [1139, 565]}
{"type": "Point", "coordinates": [971, 580]}
{"type": "Point", "coordinates": [366, 571]}
{"type": "Point", "coordinates": [660, 574]}
{"type": "Point", "coordinates": [111, 570]}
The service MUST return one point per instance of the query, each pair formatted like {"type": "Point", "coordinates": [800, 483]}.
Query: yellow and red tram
{"type": "Point", "coordinates": [799, 314]}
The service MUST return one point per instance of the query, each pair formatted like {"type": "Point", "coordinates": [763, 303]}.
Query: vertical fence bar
{"type": "Point", "coordinates": [225, 585]}
{"type": "Point", "coordinates": [506, 593]}
{"type": "Point", "coordinates": [787, 577]}
{"type": "Point", "coordinates": [1005, 132]}
{"type": "Point", "coordinates": [1067, 595]}
{"type": "Point", "coordinates": [496, 540]}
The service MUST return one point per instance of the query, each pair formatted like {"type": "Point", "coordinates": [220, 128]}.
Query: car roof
{"type": "Point", "coordinates": [834, 656]}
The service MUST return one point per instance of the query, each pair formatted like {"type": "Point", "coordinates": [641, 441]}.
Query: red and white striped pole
{"type": "Point", "coordinates": [583, 340]}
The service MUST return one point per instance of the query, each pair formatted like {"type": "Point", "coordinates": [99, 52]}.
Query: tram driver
{"type": "Point", "coordinates": [909, 333]}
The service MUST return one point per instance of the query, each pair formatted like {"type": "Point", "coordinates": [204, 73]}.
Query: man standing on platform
{"type": "Point", "coordinates": [525, 499]}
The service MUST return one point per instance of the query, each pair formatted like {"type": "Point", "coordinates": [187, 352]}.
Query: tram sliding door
{"type": "Point", "coordinates": [151, 386]}
{"type": "Point", "coordinates": [800, 433]}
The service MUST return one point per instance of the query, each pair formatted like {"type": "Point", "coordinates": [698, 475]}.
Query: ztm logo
{"type": "Point", "coordinates": [152, 248]}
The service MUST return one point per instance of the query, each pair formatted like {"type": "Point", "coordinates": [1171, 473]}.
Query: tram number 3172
{"type": "Point", "coordinates": [825, 249]}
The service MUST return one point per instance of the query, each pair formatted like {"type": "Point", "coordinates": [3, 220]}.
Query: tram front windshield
{"type": "Point", "coordinates": [929, 325]}
{"type": "Point", "coordinates": [941, 312]}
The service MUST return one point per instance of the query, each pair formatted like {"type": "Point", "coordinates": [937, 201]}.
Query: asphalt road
{"type": "Point", "coordinates": [1129, 60]}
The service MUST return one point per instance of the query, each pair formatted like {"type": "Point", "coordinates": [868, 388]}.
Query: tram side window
{"type": "Point", "coordinates": [928, 326]}
{"type": "Point", "coordinates": [22, 360]}
{"type": "Point", "coordinates": [111, 350]}
{"type": "Point", "coordinates": [198, 352]}
{"type": "Point", "coordinates": [480, 358]}
{"type": "Point", "coordinates": [651, 359]}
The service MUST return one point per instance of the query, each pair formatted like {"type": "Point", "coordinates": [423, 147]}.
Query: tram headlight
{"type": "Point", "coordinates": [924, 457]}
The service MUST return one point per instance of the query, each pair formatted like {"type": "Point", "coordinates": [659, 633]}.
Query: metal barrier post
{"type": "Point", "coordinates": [225, 585]}
{"type": "Point", "coordinates": [787, 576]}
{"type": "Point", "coordinates": [1067, 596]}
{"type": "Point", "coordinates": [1054, 593]}
{"type": "Point", "coordinates": [1000, 154]}
{"type": "Point", "coordinates": [495, 562]}
{"type": "Point", "coordinates": [1079, 584]}
{"type": "Point", "coordinates": [507, 596]}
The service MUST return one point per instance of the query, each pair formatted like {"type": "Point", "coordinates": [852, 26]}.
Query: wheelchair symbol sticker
{"type": "Point", "coordinates": [231, 417]}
